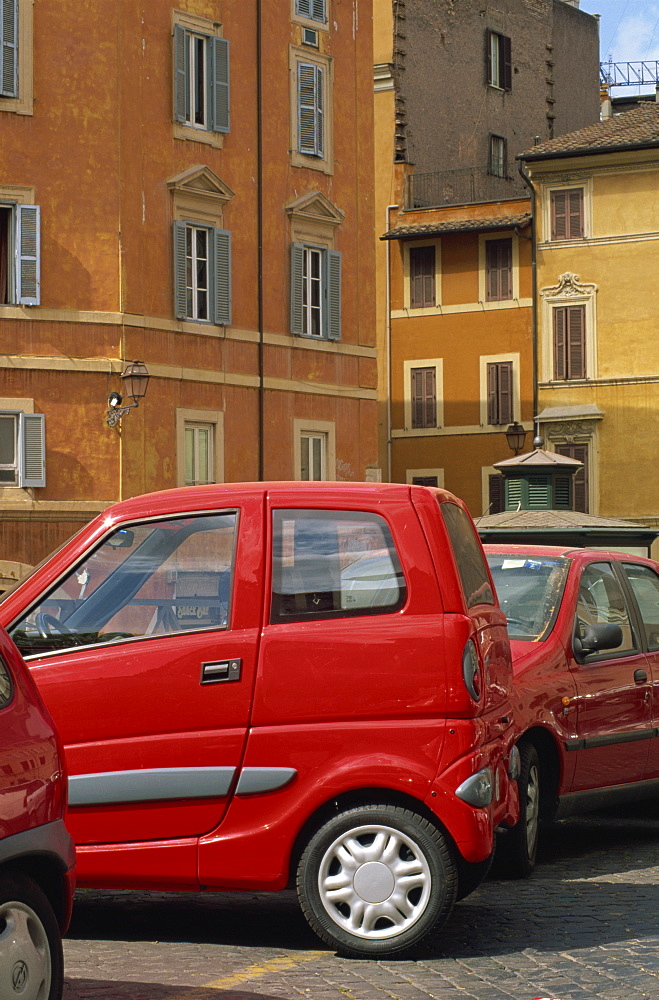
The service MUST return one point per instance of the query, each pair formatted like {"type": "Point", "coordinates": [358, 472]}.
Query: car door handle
{"type": "Point", "coordinates": [221, 671]}
{"type": "Point", "coordinates": [640, 676]}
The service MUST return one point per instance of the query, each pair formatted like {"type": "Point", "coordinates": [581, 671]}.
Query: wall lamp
{"type": "Point", "coordinates": [135, 379]}
{"type": "Point", "coordinates": [516, 436]}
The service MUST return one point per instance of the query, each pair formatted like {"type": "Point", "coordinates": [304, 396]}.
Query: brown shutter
{"type": "Point", "coordinates": [575, 214]}
{"type": "Point", "coordinates": [417, 397]}
{"type": "Point", "coordinates": [506, 62]}
{"type": "Point", "coordinates": [422, 277]}
{"type": "Point", "coordinates": [491, 272]}
{"type": "Point", "coordinates": [492, 413]}
{"type": "Point", "coordinates": [580, 487]}
{"type": "Point", "coordinates": [576, 342]}
{"type": "Point", "coordinates": [498, 270]}
{"type": "Point", "coordinates": [559, 342]}
{"type": "Point", "coordinates": [558, 204]}
{"type": "Point", "coordinates": [505, 392]}
{"type": "Point", "coordinates": [424, 397]}
{"type": "Point", "coordinates": [488, 56]}
{"type": "Point", "coordinates": [497, 493]}
{"type": "Point", "coordinates": [430, 398]}
{"type": "Point", "coordinates": [506, 269]}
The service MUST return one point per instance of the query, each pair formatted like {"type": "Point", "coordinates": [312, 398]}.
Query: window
{"type": "Point", "coordinates": [333, 564]}
{"type": "Point", "coordinates": [315, 292]}
{"type": "Point", "coordinates": [425, 481]}
{"type": "Point", "coordinates": [424, 397]}
{"type": "Point", "coordinates": [199, 453]}
{"type": "Point", "coordinates": [201, 79]}
{"type": "Point", "coordinates": [500, 392]}
{"type": "Point", "coordinates": [645, 585]}
{"type": "Point", "coordinates": [569, 342]}
{"type": "Point", "coordinates": [498, 60]}
{"type": "Point", "coordinates": [580, 487]}
{"type": "Point", "coordinates": [498, 270]}
{"type": "Point", "coordinates": [601, 600]}
{"type": "Point", "coordinates": [313, 456]}
{"type": "Point", "coordinates": [16, 57]}
{"type": "Point", "coordinates": [199, 446]}
{"type": "Point", "coordinates": [422, 277]}
{"type": "Point", "coordinates": [497, 160]}
{"type": "Point", "coordinates": [468, 555]}
{"type": "Point", "coordinates": [315, 10]}
{"type": "Point", "coordinates": [202, 273]}
{"type": "Point", "coordinates": [20, 250]}
{"type": "Point", "coordinates": [310, 109]}
{"type": "Point", "coordinates": [157, 578]}
{"type": "Point", "coordinates": [22, 449]}
{"type": "Point", "coordinates": [567, 214]}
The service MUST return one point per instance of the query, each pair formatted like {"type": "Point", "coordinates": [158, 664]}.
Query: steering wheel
{"type": "Point", "coordinates": [526, 626]}
{"type": "Point", "coordinates": [47, 624]}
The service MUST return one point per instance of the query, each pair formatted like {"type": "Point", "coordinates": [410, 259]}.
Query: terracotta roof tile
{"type": "Point", "coordinates": [640, 126]}
{"type": "Point", "coordinates": [469, 225]}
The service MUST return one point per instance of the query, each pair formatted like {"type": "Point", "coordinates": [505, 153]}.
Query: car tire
{"type": "Point", "coordinates": [471, 874]}
{"type": "Point", "coordinates": [519, 845]}
{"type": "Point", "coordinates": [31, 962]}
{"type": "Point", "coordinates": [376, 880]}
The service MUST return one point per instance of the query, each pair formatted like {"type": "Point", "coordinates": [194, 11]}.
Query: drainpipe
{"type": "Point", "coordinates": [388, 209]}
{"type": "Point", "coordinates": [259, 183]}
{"type": "Point", "coordinates": [534, 269]}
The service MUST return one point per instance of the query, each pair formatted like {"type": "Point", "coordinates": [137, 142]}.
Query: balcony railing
{"type": "Point", "coordinates": [459, 187]}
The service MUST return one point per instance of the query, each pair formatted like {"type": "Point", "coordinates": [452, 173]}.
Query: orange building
{"type": "Point", "coordinates": [177, 186]}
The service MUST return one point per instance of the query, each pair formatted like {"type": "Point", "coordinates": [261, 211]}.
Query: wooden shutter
{"type": "Point", "coordinates": [492, 385]}
{"type": "Point", "coordinates": [560, 368]}
{"type": "Point", "coordinates": [180, 74]}
{"type": "Point", "coordinates": [496, 493]}
{"type": "Point", "coordinates": [318, 10]}
{"type": "Point", "coordinates": [9, 49]}
{"type": "Point", "coordinates": [567, 216]}
{"type": "Point", "coordinates": [505, 56]}
{"type": "Point", "coordinates": [424, 397]}
{"type": "Point", "coordinates": [222, 276]}
{"type": "Point", "coordinates": [422, 277]}
{"type": "Point", "coordinates": [219, 68]}
{"type": "Point", "coordinates": [310, 133]}
{"type": "Point", "coordinates": [575, 213]}
{"type": "Point", "coordinates": [558, 203]}
{"type": "Point", "coordinates": [488, 56]}
{"type": "Point", "coordinates": [576, 342]}
{"type": "Point", "coordinates": [180, 283]}
{"type": "Point", "coordinates": [498, 270]}
{"type": "Point", "coordinates": [28, 252]}
{"type": "Point", "coordinates": [500, 392]}
{"type": "Point", "coordinates": [332, 294]}
{"type": "Point", "coordinates": [32, 450]}
{"type": "Point", "coordinates": [297, 285]}
{"type": "Point", "coordinates": [580, 480]}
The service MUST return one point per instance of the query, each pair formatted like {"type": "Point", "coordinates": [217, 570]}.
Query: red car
{"type": "Point", "coordinates": [260, 685]}
{"type": "Point", "coordinates": [584, 630]}
{"type": "Point", "coordinates": [36, 852]}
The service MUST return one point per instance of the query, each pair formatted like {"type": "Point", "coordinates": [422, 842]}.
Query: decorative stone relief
{"type": "Point", "coordinates": [568, 286]}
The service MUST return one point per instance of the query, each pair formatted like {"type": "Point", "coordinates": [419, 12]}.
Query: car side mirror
{"type": "Point", "coordinates": [596, 638]}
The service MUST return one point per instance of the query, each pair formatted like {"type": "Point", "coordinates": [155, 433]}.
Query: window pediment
{"type": "Point", "coordinates": [315, 207]}
{"type": "Point", "coordinates": [201, 182]}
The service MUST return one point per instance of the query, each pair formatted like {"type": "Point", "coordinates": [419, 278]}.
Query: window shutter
{"type": "Point", "coordinates": [488, 56]}
{"type": "Point", "coordinates": [575, 213]}
{"type": "Point", "coordinates": [297, 285]}
{"type": "Point", "coordinates": [422, 277]}
{"type": "Point", "coordinates": [32, 450]}
{"type": "Point", "coordinates": [28, 251]}
{"type": "Point", "coordinates": [310, 109]}
{"type": "Point", "coordinates": [430, 398]}
{"type": "Point", "coordinates": [491, 271]}
{"type": "Point", "coordinates": [333, 294]}
{"type": "Point", "coordinates": [303, 8]}
{"type": "Point", "coordinates": [496, 493]}
{"type": "Point", "coordinates": [180, 74]}
{"type": "Point", "coordinates": [507, 63]}
{"type": "Point", "coordinates": [318, 10]}
{"type": "Point", "coordinates": [558, 203]}
{"type": "Point", "coordinates": [9, 49]}
{"type": "Point", "coordinates": [492, 410]}
{"type": "Point", "coordinates": [180, 283]}
{"type": "Point", "coordinates": [222, 274]}
{"type": "Point", "coordinates": [219, 50]}
{"type": "Point", "coordinates": [539, 492]}
{"type": "Point", "coordinates": [559, 343]}
{"type": "Point", "coordinates": [576, 349]}
{"type": "Point", "coordinates": [580, 480]}
{"type": "Point", "coordinates": [505, 392]}
{"type": "Point", "coordinates": [417, 397]}
{"type": "Point", "coordinates": [505, 269]}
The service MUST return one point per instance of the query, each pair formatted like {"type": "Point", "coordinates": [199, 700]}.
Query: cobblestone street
{"type": "Point", "coordinates": [584, 926]}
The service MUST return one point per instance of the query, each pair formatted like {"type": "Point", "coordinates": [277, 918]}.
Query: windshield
{"type": "Point", "coordinates": [530, 589]}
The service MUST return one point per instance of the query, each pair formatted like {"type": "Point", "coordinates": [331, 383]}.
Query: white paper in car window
{"type": "Point", "coordinates": [513, 563]}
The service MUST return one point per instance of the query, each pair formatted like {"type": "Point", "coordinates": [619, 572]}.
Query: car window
{"type": "Point", "coordinates": [468, 556]}
{"type": "Point", "coordinates": [601, 601]}
{"type": "Point", "coordinates": [332, 564]}
{"type": "Point", "coordinates": [645, 584]}
{"type": "Point", "coordinates": [530, 590]}
{"type": "Point", "coordinates": [154, 578]}
{"type": "Point", "coordinates": [6, 686]}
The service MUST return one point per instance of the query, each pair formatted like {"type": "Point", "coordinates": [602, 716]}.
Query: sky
{"type": "Point", "coordinates": [629, 32]}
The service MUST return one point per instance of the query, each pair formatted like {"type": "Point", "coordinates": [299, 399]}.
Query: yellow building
{"type": "Point", "coordinates": [597, 205]}
{"type": "Point", "coordinates": [177, 186]}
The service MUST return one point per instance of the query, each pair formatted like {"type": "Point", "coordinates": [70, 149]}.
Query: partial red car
{"type": "Point", "coordinates": [36, 851]}
{"type": "Point", "coordinates": [584, 630]}
{"type": "Point", "coordinates": [272, 684]}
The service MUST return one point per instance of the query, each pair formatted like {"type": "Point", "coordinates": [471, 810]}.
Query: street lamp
{"type": "Point", "coordinates": [515, 436]}
{"type": "Point", "coordinates": [135, 379]}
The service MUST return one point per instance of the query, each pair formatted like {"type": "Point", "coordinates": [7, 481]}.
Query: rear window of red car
{"type": "Point", "coordinates": [469, 556]}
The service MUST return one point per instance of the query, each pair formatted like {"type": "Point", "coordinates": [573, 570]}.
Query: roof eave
{"type": "Point", "coordinates": [590, 151]}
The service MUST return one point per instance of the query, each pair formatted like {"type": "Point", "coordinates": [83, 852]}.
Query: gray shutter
{"type": "Point", "coordinates": [310, 109]}
{"type": "Point", "coordinates": [297, 284]}
{"type": "Point", "coordinates": [320, 112]}
{"type": "Point", "coordinates": [28, 251]}
{"type": "Point", "coordinates": [180, 74]}
{"type": "Point", "coordinates": [180, 283]}
{"type": "Point", "coordinates": [333, 295]}
{"type": "Point", "coordinates": [219, 74]}
{"type": "Point", "coordinates": [318, 10]}
{"type": "Point", "coordinates": [9, 49]}
{"type": "Point", "coordinates": [32, 450]}
{"type": "Point", "coordinates": [222, 272]}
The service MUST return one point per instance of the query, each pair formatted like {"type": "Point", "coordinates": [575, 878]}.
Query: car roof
{"type": "Point", "coordinates": [567, 552]}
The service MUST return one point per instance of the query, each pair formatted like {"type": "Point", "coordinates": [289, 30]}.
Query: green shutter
{"type": "Point", "coordinates": [219, 71]}
{"type": "Point", "coordinates": [297, 282]}
{"type": "Point", "coordinates": [180, 74]}
{"type": "Point", "coordinates": [9, 49]}
{"type": "Point", "coordinates": [333, 295]}
{"type": "Point", "coordinates": [180, 283]}
{"type": "Point", "coordinates": [539, 493]}
{"type": "Point", "coordinates": [32, 450]}
{"type": "Point", "coordinates": [28, 250]}
{"type": "Point", "coordinates": [222, 274]}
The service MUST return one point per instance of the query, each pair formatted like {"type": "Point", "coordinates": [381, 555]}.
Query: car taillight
{"type": "Point", "coordinates": [471, 671]}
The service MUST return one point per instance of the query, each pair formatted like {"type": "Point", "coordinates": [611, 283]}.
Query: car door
{"type": "Point", "coordinates": [614, 718]}
{"type": "Point", "coordinates": [643, 581]}
{"type": "Point", "coordinates": [144, 652]}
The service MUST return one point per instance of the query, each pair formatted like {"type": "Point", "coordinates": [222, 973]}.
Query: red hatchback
{"type": "Point", "coordinates": [584, 630]}
{"type": "Point", "coordinates": [36, 852]}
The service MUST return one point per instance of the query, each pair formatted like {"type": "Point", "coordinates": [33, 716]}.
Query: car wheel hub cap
{"type": "Point", "coordinates": [374, 882]}
{"type": "Point", "coordinates": [25, 964]}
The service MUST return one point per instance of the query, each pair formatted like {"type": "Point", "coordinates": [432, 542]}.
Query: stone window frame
{"type": "Point", "coordinates": [325, 427]}
{"type": "Point", "coordinates": [569, 291]}
{"type": "Point", "coordinates": [212, 29]}
{"type": "Point", "coordinates": [190, 416]}
{"type": "Point", "coordinates": [324, 163]}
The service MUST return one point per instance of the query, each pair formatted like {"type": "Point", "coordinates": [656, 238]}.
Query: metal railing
{"type": "Point", "coordinates": [459, 187]}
